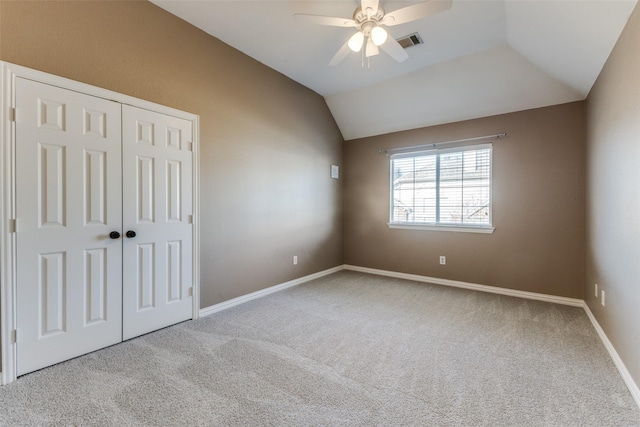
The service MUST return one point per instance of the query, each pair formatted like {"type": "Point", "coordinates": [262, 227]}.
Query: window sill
{"type": "Point", "coordinates": [432, 227]}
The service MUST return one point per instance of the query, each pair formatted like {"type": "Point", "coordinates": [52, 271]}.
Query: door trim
{"type": "Point", "coordinates": [8, 283]}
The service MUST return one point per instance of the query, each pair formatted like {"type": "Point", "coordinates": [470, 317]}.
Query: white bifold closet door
{"type": "Point", "coordinates": [104, 223]}
{"type": "Point", "coordinates": [157, 262]}
{"type": "Point", "coordinates": [68, 201]}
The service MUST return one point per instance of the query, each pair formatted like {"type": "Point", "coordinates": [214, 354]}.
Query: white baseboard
{"type": "Point", "coordinates": [472, 286]}
{"type": "Point", "coordinates": [207, 311]}
{"type": "Point", "coordinates": [624, 372]}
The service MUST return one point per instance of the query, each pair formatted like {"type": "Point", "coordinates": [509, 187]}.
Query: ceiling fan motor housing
{"type": "Point", "coordinates": [366, 22]}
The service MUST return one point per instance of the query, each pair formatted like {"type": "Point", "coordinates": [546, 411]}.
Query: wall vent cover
{"type": "Point", "coordinates": [410, 40]}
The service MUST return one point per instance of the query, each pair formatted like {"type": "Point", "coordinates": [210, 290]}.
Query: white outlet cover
{"type": "Point", "coordinates": [335, 171]}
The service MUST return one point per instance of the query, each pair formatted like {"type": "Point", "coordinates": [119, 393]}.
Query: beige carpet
{"type": "Point", "coordinates": [347, 349]}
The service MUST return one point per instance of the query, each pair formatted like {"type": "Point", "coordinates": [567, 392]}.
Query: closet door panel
{"type": "Point", "coordinates": [157, 198]}
{"type": "Point", "coordinates": [68, 200]}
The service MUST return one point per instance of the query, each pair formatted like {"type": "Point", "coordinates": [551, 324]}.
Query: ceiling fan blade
{"type": "Point", "coordinates": [372, 5]}
{"type": "Point", "coordinates": [325, 20]}
{"type": "Point", "coordinates": [340, 55]}
{"type": "Point", "coordinates": [394, 50]}
{"type": "Point", "coordinates": [416, 11]}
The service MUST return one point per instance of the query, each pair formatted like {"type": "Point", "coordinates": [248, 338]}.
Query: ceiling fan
{"type": "Point", "coordinates": [370, 19]}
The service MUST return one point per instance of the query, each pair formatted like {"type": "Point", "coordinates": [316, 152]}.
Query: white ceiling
{"type": "Point", "coordinates": [480, 58]}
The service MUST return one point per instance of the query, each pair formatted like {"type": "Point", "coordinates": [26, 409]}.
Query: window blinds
{"type": "Point", "coordinates": [442, 186]}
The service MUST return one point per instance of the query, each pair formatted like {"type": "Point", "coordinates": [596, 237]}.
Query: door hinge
{"type": "Point", "coordinates": [189, 146]}
{"type": "Point", "coordinates": [190, 291]}
{"type": "Point", "coordinates": [12, 114]}
{"type": "Point", "coordinates": [12, 225]}
{"type": "Point", "coordinates": [189, 219]}
{"type": "Point", "coordinates": [14, 336]}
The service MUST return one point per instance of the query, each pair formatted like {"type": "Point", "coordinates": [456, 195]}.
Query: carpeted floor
{"type": "Point", "coordinates": [346, 349]}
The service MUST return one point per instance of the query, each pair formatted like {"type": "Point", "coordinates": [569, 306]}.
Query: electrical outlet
{"type": "Point", "coordinates": [443, 260]}
{"type": "Point", "coordinates": [295, 260]}
{"type": "Point", "coordinates": [602, 300]}
{"type": "Point", "coordinates": [596, 290]}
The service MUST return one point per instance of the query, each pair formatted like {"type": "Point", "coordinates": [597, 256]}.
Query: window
{"type": "Point", "coordinates": [442, 189]}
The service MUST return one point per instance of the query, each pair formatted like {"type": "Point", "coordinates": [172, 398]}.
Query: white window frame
{"type": "Point", "coordinates": [435, 226]}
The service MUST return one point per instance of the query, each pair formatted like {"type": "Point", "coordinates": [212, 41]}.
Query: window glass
{"type": "Point", "coordinates": [442, 187]}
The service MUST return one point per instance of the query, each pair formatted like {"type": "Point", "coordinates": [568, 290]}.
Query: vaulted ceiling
{"type": "Point", "coordinates": [479, 58]}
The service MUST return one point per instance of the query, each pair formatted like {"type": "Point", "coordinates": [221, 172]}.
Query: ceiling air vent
{"type": "Point", "coordinates": [410, 40]}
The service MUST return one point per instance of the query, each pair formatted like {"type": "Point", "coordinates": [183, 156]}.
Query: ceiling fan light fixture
{"type": "Point", "coordinates": [378, 35]}
{"type": "Point", "coordinates": [356, 41]}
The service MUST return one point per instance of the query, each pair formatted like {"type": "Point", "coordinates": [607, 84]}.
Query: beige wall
{"type": "Point", "coordinates": [613, 196]}
{"type": "Point", "coordinates": [267, 143]}
{"type": "Point", "coordinates": [538, 206]}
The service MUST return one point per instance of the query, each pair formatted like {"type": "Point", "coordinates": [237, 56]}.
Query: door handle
{"type": "Point", "coordinates": [131, 234]}
{"type": "Point", "coordinates": [114, 235]}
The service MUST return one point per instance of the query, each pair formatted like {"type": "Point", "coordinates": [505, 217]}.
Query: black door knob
{"type": "Point", "coordinates": [114, 235]}
{"type": "Point", "coordinates": [131, 234]}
